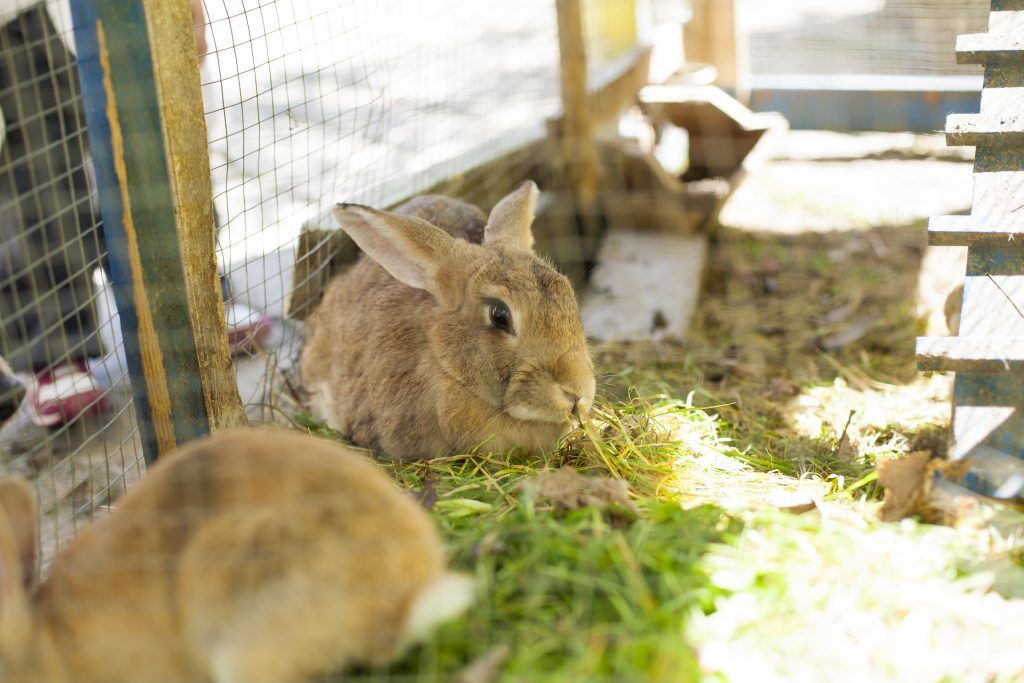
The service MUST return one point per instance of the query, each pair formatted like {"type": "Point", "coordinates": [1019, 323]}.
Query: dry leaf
{"type": "Point", "coordinates": [569, 490]}
{"type": "Point", "coordinates": [951, 309]}
{"type": "Point", "coordinates": [793, 503]}
{"type": "Point", "coordinates": [486, 667]}
{"type": "Point", "coordinates": [905, 480]}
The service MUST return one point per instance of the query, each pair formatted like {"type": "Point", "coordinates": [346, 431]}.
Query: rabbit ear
{"type": "Point", "coordinates": [17, 562]}
{"type": "Point", "coordinates": [511, 218]}
{"type": "Point", "coordinates": [409, 248]}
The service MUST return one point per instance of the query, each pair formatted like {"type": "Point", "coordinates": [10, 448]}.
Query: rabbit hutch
{"type": "Point", "coordinates": [805, 414]}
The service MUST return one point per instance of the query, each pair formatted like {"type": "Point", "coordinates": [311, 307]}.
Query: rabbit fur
{"type": "Point", "coordinates": [254, 556]}
{"type": "Point", "coordinates": [402, 354]}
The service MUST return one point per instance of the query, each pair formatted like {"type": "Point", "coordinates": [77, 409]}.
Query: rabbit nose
{"type": "Point", "coordinates": [574, 400]}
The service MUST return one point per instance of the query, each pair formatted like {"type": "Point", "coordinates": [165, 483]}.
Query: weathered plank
{"type": "Point", "coordinates": [999, 129]}
{"type": "Point", "coordinates": [645, 287]}
{"type": "Point", "coordinates": [973, 354]}
{"type": "Point", "coordinates": [987, 48]}
{"type": "Point", "coordinates": [966, 231]}
{"type": "Point", "coordinates": [186, 153]}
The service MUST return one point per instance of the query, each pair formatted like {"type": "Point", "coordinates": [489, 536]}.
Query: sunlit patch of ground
{"type": "Point", "coordinates": [842, 597]}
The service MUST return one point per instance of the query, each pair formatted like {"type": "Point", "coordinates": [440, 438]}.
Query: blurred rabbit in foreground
{"type": "Point", "coordinates": [254, 556]}
{"type": "Point", "coordinates": [448, 333]}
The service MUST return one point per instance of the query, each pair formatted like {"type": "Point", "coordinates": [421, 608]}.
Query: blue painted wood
{"type": "Point", "coordinates": [151, 209]}
{"type": "Point", "coordinates": [866, 103]}
{"type": "Point", "coordinates": [90, 74]}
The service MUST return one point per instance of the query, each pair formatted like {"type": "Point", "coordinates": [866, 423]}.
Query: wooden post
{"type": "Point", "coordinates": [711, 37]}
{"type": "Point", "coordinates": [576, 132]}
{"type": "Point", "coordinates": [987, 349]}
{"type": "Point", "coordinates": [140, 79]}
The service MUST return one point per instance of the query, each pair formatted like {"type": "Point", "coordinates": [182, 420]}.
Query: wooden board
{"type": "Point", "coordinates": [152, 170]}
{"type": "Point", "coordinates": [645, 287]}
{"type": "Point", "coordinates": [988, 352]}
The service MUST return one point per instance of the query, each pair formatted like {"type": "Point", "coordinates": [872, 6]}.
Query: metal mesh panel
{"type": "Point", "coordinates": [315, 102]}
{"type": "Point", "coordinates": [310, 103]}
{"type": "Point", "coordinates": [75, 435]}
{"type": "Point", "coordinates": [879, 37]}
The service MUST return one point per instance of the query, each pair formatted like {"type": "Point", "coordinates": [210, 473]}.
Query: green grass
{"type": "Point", "coordinates": [588, 594]}
{"type": "Point", "coordinates": [581, 597]}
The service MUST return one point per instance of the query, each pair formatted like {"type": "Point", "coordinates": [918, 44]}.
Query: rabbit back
{"type": "Point", "coordinates": [458, 218]}
{"type": "Point", "coordinates": [258, 555]}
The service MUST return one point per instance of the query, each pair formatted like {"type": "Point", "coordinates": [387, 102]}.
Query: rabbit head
{"type": "Point", "coordinates": [501, 323]}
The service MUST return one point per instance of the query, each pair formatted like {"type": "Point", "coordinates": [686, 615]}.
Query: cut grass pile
{"type": "Point", "coordinates": [799, 376]}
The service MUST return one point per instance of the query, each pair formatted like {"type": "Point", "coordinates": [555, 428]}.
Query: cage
{"type": "Point", "coordinates": [172, 170]}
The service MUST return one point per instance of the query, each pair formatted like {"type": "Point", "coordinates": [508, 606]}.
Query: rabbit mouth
{"type": "Point", "coordinates": [534, 414]}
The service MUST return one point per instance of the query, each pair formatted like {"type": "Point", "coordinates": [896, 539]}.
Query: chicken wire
{"type": "Point", "coordinates": [875, 37]}
{"type": "Point", "coordinates": [314, 102]}
{"type": "Point", "coordinates": [58, 318]}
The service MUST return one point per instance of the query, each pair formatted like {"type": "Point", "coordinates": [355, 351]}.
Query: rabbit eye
{"type": "Point", "coordinates": [501, 317]}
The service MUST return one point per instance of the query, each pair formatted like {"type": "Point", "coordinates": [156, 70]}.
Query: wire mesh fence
{"type": "Point", "coordinates": [307, 103]}
{"type": "Point", "coordinates": [75, 432]}
{"type": "Point", "coordinates": [312, 103]}
{"type": "Point", "coordinates": [876, 37]}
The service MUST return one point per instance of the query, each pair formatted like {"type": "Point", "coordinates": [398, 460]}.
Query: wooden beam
{"type": "Point", "coordinates": [155, 196]}
{"type": "Point", "coordinates": [179, 95]}
{"type": "Point", "coordinates": [617, 89]}
{"type": "Point", "coordinates": [970, 354]}
{"type": "Point", "coordinates": [577, 128]}
{"type": "Point", "coordinates": [968, 231]}
{"type": "Point", "coordinates": [711, 37]}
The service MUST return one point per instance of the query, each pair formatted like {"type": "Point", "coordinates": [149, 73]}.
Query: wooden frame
{"type": "Point", "coordinates": [148, 140]}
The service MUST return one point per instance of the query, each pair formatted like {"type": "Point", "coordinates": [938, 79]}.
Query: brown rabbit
{"type": "Point", "coordinates": [254, 556]}
{"type": "Point", "coordinates": [448, 333]}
